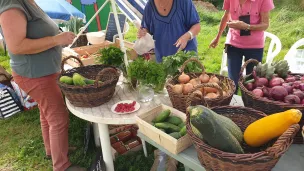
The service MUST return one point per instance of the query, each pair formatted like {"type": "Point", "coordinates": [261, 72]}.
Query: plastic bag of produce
{"type": "Point", "coordinates": [163, 162]}
{"type": "Point", "coordinates": [26, 101]}
{"type": "Point", "coordinates": [144, 44]}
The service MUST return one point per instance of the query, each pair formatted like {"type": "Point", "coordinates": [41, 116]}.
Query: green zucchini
{"type": "Point", "coordinates": [223, 120]}
{"type": "Point", "coordinates": [176, 135]}
{"type": "Point", "coordinates": [174, 120]}
{"type": "Point", "coordinates": [214, 133]}
{"type": "Point", "coordinates": [183, 131]}
{"type": "Point", "coordinates": [162, 116]}
{"type": "Point", "coordinates": [181, 125]}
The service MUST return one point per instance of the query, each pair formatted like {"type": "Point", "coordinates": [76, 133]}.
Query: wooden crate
{"type": "Point", "coordinates": [169, 143]}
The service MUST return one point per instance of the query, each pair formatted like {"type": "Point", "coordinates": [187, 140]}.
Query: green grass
{"type": "Point", "coordinates": [21, 146]}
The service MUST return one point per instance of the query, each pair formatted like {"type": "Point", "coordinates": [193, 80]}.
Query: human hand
{"type": "Point", "coordinates": [64, 38]}
{"type": "Point", "coordinates": [141, 32]}
{"type": "Point", "coordinates": [214, 43]}
{"type": "Point", "coordinates": [182, 42]}
{"type": "Point", "coordinates": [236, 24]}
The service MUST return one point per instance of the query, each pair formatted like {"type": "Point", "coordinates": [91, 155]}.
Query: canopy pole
{"type": "Point", "coordinates": [88, 23]}
{"type": "Point", "coordinates": [121, 41]}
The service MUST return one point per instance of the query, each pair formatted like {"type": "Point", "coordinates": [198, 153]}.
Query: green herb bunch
{"type": "Point", "coordinates": [111, 56]}
{"type": "Point", "coordinates": [148, 73]}
{"type": "Point", "coordinates": [173, 63]}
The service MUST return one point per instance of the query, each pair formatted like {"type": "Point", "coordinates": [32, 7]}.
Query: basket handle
{"type": "Point", "coordinates": [245, 65]}
{"type": "Point", "coordinates": [211, 85]}
{"type": "Point", "coordinates": [102, 73]}
{"type": "Point", "coordinates": [67, 58]}
{"type": "Point", "coordinates": [8, 78]}
{"type": "Point", "coordinates": [283, 142]}
{"type": "Point", "coordinates": [192, 60]}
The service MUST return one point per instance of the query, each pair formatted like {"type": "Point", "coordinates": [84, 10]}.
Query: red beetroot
{"type": "Point", "coordinates": [302, 102]}
{"type": "Point", "coordinates": [296, 84]}
{"type": "Point", "coordinates": [277, 81]}
{"type": "Point", "coordinates": [300, 94]}
{"type": "Point", "coordinates": [258, 92]}
{"type": "Point", "coordinates": [260, 82]}
{"type": "Point", "coordinates": [290, 79]}
{"type": "Point", "coordinates": [292, 99]}
{"type": "Point", "coordinates": [265, 91]}
{"type": "Point", "coordinates": [249, 86]}
{"type": "Point", "coordinates": [278, 93]}
{"type": "Point", "coordinates": [288, 87]}
{"type": "Point", "coordinates": [301, 87]}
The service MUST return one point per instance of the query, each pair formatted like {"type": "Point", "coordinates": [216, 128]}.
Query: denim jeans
{"type": "Point", "coordinates": [235, 58]}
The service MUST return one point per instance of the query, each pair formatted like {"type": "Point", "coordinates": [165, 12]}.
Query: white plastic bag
{"type": "Point", "coordinates": [144, 44]}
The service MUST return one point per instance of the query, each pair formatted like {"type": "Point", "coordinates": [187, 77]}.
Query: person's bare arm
{"type": "Point", "coordinates": [223, 25]}
{"type": "Point", "coordinates": [195, 29]}
{"type": "Point", "coordinates": [262, 26]}
{"type": "Point", "coordinates": [14, 32]}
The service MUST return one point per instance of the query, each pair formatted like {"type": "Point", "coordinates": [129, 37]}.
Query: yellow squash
{"type": "Point", "coordinates": [265, 129]}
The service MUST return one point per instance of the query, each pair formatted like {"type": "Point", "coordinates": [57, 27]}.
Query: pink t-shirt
{"type": "Point", "coordinates": [256, 39]}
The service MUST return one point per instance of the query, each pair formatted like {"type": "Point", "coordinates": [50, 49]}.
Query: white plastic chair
{"type": "Point", "coordinates": [275, 42]}
{"type": "Point", "coordinates": [295, 57]}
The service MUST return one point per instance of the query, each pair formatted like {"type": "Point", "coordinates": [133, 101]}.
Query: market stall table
{"type": "Point", "coordinates": [103, 116]}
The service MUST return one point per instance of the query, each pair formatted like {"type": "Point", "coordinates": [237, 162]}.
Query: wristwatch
{"type": "Point", "coordinates": [191, 35]}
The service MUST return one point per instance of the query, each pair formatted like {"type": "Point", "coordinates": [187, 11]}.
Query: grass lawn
{"type": "Point", "coordinates": [21, 146]}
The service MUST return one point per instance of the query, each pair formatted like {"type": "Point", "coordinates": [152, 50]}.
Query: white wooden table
{"type": "Point", "coordinates": [103, 116]}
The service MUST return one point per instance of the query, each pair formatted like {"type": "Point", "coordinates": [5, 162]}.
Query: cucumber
{"type": "Point", "coordinates": [214, 133]}
{"type": "Point", "coordinates": [174, 120]}
{"type": "Point", "coordinates": [162, 125]}
{"type": "Point", "coordinates": [162, 116]}
{"type": "Point", "coordinates": [183, 131]}
{"type": "Point", "coordinates": [226, 122]}
{"type": "Point", "coordinates": [181, 125]}
{"type": "Point", "coordinates": [175, 135]}
{"type": "Point", "coordinates": [173, 128]}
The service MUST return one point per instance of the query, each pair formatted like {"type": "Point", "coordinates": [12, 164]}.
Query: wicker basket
{"type": "Point", "coordinates": [179, 101]}
{"type": "Point", "coordinates": [90, 95]}
{"type": "Point", "coordinates": [265, 105]}
{"type": "Point", "coordinates": [254, 159]}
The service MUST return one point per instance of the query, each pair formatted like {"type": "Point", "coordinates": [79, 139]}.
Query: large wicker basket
{"type": "Point", "coordinates": [265, 105]}
{"type": "Point", "coordinates": [90, 95]}
{"type": "Point", "coordinates": [179, 101]}
{"type": "Point", "coordinates": [254, 159]}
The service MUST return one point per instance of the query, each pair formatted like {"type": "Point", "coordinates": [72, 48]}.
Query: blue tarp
{"type": "Point", "coordinates": [59, 9]}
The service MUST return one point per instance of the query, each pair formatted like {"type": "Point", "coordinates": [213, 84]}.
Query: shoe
{"type": "Point", "coordinates": [75, 168]}
{"type": "Point", "coordinates": [71, 150]}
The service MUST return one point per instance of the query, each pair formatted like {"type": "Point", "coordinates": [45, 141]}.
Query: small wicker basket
{"type": "Point", "coordinates": [90, 95]}
{"type": "Point", "coordinates": [179, 101]}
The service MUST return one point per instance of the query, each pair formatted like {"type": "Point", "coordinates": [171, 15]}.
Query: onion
{"type": "Point", "coordinates": [278, 93]}
{"type": "Point", "coordinates": [292, 99]}
{"type": "Point", "coordinates": [290, 79]}
{"type": "Point", "coordinates": [301, 87]}
{"type": "Point", "coordinates": [288, 87]}
{"type": "Point", "coordinates": [207, 90]}
{"type": "Point", "coordinates": [195, 81]}
{"type": "Point", "coordinates": [300, 94]}
{"type": "Point", "coordinates": [183, 78]}
{"type": "Point", "coordinates": [265, 91]}
{"type": "Point", "coordinates": [224, 93]}
{"type": "Point", "coordinates": [296, 84]}
{"type": "Point", "coordinates": [258, 92]}
{"type": "Point", "coordinates": [187, 88]}
{"type": "Point", "coordinates": [260, 82]}
{"type": "Point", "coordinates": [178, 88]}
{"type": "Point", "coordinates": [249, 86]}
{"type": "Point", "coordinates": [211, 96]}
{"type": "Point", "coordinates": [214, 79]}
{"type": "Point", "coordinates": [277, 81]}
{"type": "Point", "coordinates": [204, 78]}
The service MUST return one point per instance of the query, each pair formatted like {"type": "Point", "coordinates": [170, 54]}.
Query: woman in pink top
{"type": "Point", "coordinates": [247, 20]}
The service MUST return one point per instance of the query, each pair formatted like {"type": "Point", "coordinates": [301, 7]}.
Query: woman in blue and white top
{"type": "Point", "coordinates": [173, 25]}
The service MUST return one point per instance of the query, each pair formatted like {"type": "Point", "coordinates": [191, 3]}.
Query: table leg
{"type": "Point", "coordinates": [144, 147]}
{"type": "Point", "coordinates": [96, 135]}
{"type": "Point", "coordinates": [106, 146]}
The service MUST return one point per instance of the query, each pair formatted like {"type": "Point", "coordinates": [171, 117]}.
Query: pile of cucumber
{"type": "Point", "coordinates": [172, 125]}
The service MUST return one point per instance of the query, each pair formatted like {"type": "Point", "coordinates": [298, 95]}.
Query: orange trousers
{"type": "Point", "coordinates": [54, 116]}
